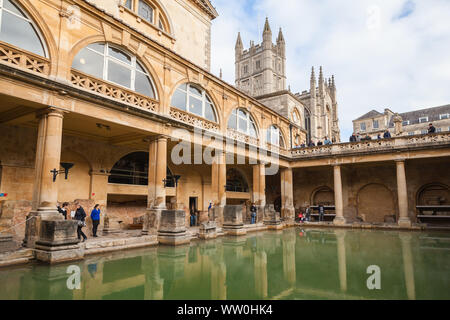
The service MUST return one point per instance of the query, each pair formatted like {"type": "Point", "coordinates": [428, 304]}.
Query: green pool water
{"type": "Point", "coordinates": [290, 264]}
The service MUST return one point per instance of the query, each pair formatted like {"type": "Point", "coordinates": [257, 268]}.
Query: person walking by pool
{"type": "Point", "coordinates": [327, 141]}
{"type": "Point", "coordinates": [95, 217]}
{"type": "Point", "coordinates": [193, 218]}
{"type": "Point", "coordinates": [253, 213]}
{"type": "Point", "coordinates": [80, 216]}
{"type": "Point", "coordinates": [387, 134]}
{"type": "Point", "coordinates": [321, 212]}
{"type": "Point", "coordinates": [308, 213]}
{"type": "Point", "coordinates": [63, 209]}
{"type": "Point", "coordinates": [353, 138]}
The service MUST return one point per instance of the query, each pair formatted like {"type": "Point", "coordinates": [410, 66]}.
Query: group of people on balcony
{"type": "Point", "coordinates": [386, 135]}
{"type": "Point", "coordinates": [325, 142]}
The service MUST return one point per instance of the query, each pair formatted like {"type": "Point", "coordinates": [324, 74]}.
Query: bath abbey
{"type": "Point", "coordinates": [112, 102]}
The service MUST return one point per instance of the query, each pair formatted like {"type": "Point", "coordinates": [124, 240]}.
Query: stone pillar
{"type": "Point", "coordinates": [259, 189]}
{"type": "Point", "coordinates": [157, 172]}
{"type": "Point", "coordinates": [233, 223]}
{"type": "Point", "coordinates": [287, 195]}
{"type": "Point", "coordinates": [338, 200]}
{"type": "Point", "coordinates": [404, 221]}
{"type": "Point", "coordinates": [45, 191]}
{"type": "Point", "coordinates": [172, 229]}
{"type": "Point", "coordinates": [218, 183]}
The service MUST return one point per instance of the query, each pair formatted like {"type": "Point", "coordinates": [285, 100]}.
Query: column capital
{"type": "Point", "coordinates": [338, 165]}
{"type": "Point", "coordinates": [51, 112]}
{"type": "Point", "coordinates": [151, 139]}
{"type": "Point", "coordinates": [400, 160]}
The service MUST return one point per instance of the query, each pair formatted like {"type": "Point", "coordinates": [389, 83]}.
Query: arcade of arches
{"type": "Point", "coordinates": [111, 102]}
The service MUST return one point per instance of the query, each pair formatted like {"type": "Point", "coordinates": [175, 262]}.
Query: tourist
{"type": "Point", "coordinates": [358, 137]}
{"type": "Point", "coordinates": [95, 217]}
{"type": "Point", "coordinates": [308, 213]}
{"type": "Point", "coordinates": [327, 141]}
{"type": "Point", "coordinates": [193, 218]}
{"type": "Point", "coordinates": [366, 138]}
{"type": "Point", "coordinates": [303, 145]}
{"type": "Point", "coordinates": [319, 143]}
{"type": "Point", "coordinates": [387, 134]}
{"type": "Point", "coordinates": [80, 216]}
{"type": "Point", "coordinates": [63, 209]}
{"type": "Point", "coordinates": [253, 213]}
{"type": "Point", "coordinates": [321, 212]}
{"type": "Point", "coordinates": [311, 144]}
{"type": "Point", "coordinates": [431, 128]}
{"type": "Point", "coordinates": [379, 136]}
{"type": "Point", "coordinates": [353, 138]}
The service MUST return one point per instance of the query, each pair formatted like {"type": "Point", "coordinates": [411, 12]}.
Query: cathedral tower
{"type": "Point", "coordinates": [261, 69]}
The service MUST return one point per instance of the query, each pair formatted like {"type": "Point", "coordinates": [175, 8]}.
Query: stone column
{"type": "Point", "coordinates": [404, 221]}
{"type": "Point", "coordinates": [157, 172]}
{"type": "Point", "coordinates": [287, 195]}
{"type": "Point", "coordinates": [338, 201]}
{"type": "Point", "coordinates": [218, 183]}
{"type": "Point", "coordinates": [48, 155]}
{"type": "Point", "coordinates": [259, 189]}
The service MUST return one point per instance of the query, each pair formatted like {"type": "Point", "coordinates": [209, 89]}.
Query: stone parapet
{"type": "Point", "coordinates": [172, 228]}
{"type": "Point", "coordinates": [233, 223]}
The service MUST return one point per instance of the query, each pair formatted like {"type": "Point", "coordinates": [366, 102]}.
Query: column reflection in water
{"type": "Point", "coordinates": [289, 238]}
{"type": "Point", "coordinates": [342, 263]}
{"type": "Point", "coordinates": [260, 264]}
{"type": "Point", "coordinates": [408, 265]}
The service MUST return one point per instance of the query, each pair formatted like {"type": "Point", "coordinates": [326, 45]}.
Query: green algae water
{"type": "Point", "coordinates": [291, 264]}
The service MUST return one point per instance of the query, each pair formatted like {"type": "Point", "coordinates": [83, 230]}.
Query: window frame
{"type": "Point", "coordinates": [361, 127]}
{"type": "Point", "coordinates": [377, 122]}
{"type": "Point", "coordinates": [444, 116]}
{"type": "Point", "coordinates": [249, 119]}
{"type": "Point", "coordinates": [406, 123]}
{"type": "Point", "coordinates": [153, 11]}
{"type": "Point", "coordinates": [29, 20]}
{"type": "Point", "coordinates": [204, 98]}
{"type": "Point", "coordinates": [422, 118]}
{"type": "Point", "coordinates": [132, 67]}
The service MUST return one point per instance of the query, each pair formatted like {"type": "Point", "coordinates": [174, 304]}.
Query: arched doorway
{"type": "Point", "coordinates": [375, 203]}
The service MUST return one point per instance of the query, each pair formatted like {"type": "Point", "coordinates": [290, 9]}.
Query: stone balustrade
{"type": "Point", "coordinates": [194, 120]}
{"type": "Point", "coordinates": [242, 137]}
{"type": "Point", "coordinates": [130, 97]}
{"type": "Point", "coordinates": [16, 57]}
{"type": "Point", "coordinates": [382, 145]}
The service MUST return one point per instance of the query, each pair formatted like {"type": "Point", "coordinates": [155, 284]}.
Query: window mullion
{"type": "Point", "coordinates": [105, 62]}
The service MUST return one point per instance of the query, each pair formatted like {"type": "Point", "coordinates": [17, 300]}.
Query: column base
{"type": "Point", "coordinates": [173, 239]}
{"type": "Point", "coordinates": [208, 231]}
{"type": "Point", "coordinates": [58, 242]}
{"type": "Point", "coordinates": [405, 223]}
{"type": "Point", "coordinates": [339, 221]}
{"type": "Point", "coordinates": [33, 224]}
{"type": "Point", "coordinates": [234, 230]}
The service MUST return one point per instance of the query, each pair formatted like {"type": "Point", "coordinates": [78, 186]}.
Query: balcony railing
{"type": "Point", "coordinates": [398, 143]}
{"type": "Point", "coordinates": [104, 88]}
{"type": "Point", "coordinates": [242, 137]}
{"type": "Point", "coordinates": [16, 57]}
{"type": "Point", "coordinates": [194, 120]}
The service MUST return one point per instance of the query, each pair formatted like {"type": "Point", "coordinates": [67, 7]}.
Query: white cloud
{"type": "Point", "coordinates": [400, 63]}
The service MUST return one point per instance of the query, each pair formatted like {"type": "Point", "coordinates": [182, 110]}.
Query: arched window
{"type": "Point", "coordinates": [133, 169]}
{"type": "Point", "coordinates": [236, 181]}
{"type": "Point", "coordinates": [242, 121]}
{"type": "Point", "coordinates": [112, 64]}
{"type": "Point", "coordinates": [308, 125]}
{"type": "Point", "coordinates": [17, 29]}
{"type": "Point", "coordinates": [275, 137]}
{"type": "Point", "coordinates": [190, 98]}
{"type": "Point", "coordinates": [147, 10]}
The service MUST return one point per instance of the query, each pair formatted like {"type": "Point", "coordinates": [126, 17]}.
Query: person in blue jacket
{"type": "Point", "coordinates": [95, 217]}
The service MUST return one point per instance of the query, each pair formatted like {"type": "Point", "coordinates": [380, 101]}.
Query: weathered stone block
{"type": "Point", "coordinates": [272, 218]}
{"type": "Point", "coordinates": [232, 216]}
{"type": "Point", "coordinates": [172, 228]}
{"type": "Point", "coordinates": [208, 230]}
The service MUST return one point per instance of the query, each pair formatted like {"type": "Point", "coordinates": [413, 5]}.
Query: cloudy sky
{"type": "Point", "coordinates": [384, 53]}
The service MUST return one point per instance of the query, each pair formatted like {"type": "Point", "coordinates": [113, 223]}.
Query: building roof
{"type": "Point", "coordinates": [207, 7]}
{"type": "Point", "coordinates": [370, 115]}
{"type": "Point", "coordinates": [432, 114]}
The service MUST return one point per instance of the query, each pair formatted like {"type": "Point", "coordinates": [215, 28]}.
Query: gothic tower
{"type": "Point", "coordinates": [261, 69]}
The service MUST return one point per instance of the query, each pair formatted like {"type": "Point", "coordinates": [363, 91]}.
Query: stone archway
{"type": "Point", "coordinates": [375, 202]}
{"type": "Point", "coordinates": [323, 196]}
{"type": "Point", "coordinates": [433, 194]}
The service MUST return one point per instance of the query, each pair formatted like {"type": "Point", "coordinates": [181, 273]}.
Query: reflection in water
{"type": "Point", "coordinates": [289, 264]}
